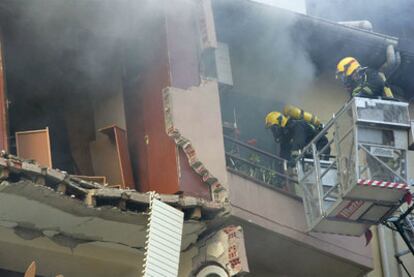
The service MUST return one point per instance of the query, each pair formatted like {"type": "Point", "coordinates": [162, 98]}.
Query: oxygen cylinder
{"type": "Point", "coordinates": [297, 113]}
{"type": "Point", "coordinates": [387, 89]}
{"type": "Point", "coordinates": [388, 92]}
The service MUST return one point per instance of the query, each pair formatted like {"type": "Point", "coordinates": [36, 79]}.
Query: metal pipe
{"type": "Point", "coordinates": [327, 169]}
{"type": "Point", "coordinates": [319, 187]}
{"type": "Point", "coordinates": [383, 251]}
{"type": "Point", "coordinates": [391, 60]}
{"type": "Point", "coordinates": [262, 167]}
{"type": "Point", "coordinates": [403, 253]}
{"type": "Point", "coordinates": [239, 142]}
{"type": "Point", "coordinates": [400, 262]}
{"type": "Point", "coordinates": [397, 63]}
{"type": "Point", "coordinates": [248, 177]}
{"type": "Point", "coordinates": [360, 24]}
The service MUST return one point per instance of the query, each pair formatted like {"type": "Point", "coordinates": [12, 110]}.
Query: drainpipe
{"type": "Point", "coordinates": [398, 62]}
{"type": "Point", "coordinates": [401, 263]}
{"type": "Point", "coordinates": [383, 251]}
{"type": "Point", "coordinates": [360, 24]}
{"type": "Point", "coordinates": [393, 57]}
{"type": "Point", "coordinates": [393, 61]}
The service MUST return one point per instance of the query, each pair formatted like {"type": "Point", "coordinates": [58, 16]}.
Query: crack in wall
{"type": "Point", "coordinates": [60, 238]}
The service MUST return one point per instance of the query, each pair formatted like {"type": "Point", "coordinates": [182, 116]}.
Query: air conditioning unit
{"type": "Point", "coordinates": [216, 64]}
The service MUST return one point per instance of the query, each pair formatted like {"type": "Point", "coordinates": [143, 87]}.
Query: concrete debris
{"type": "Point", "coordinates": [55, 175]}
{"type": "Point", "coordinates": [217, 190]}
{"type": "Point", "coordinates": [92, 194]}
{"type": "Point", "coordinates": [29, 167]}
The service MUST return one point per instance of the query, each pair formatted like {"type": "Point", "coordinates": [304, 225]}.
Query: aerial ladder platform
{"type": "Point", "coordinates": [364, 182]}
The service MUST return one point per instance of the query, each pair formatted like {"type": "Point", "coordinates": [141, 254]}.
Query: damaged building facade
{"type": "Point", "coordinates": [166, 96]}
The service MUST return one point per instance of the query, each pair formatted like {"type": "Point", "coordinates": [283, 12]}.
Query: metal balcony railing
{"type": "Point", "coordinates": [259, 166]}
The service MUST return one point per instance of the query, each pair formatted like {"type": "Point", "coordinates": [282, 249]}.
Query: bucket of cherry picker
{"type": "Point", "coordinates": [364, 181]}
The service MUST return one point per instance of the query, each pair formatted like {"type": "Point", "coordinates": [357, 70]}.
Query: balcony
{"type": "Point", "coordinates": [266, 200]}
{"type": "Point", "coordinates": [259, 166]}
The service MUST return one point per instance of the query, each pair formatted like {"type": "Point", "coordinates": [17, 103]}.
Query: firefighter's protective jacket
{"type": "Point", "coordinates": [368, 82]}
{"type": "Point", "coordinates": [295, 136]}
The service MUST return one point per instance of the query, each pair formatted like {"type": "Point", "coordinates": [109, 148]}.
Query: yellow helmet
{"type": "Point", "coordinates": [346, 67]}
{"type": "Point", "coordinates": [275, 118]}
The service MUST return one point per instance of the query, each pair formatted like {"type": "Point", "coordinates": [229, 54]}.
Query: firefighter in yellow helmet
{"type": "Point", "coordinates": [362, 81]}
{"type": "Point", "coordinates": [293, 134]}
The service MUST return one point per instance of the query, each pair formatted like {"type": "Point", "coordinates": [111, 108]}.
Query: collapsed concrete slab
{"type": "Point", "coordinates": [48, 215]}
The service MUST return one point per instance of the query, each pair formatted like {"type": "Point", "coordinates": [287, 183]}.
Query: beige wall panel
{"type": "Point", "coordinates": [376, 255]}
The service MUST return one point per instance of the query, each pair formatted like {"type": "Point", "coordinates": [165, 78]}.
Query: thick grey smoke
{"type": "Point", "coordinates": [60, 55]}
{"type": "Point", "coordinates": [277, 67]}
{"type": "Point", "coordinates": [392, 17]}
{"type": "Point", "coordinates": [293, 5]}
{"type": "Point", "coordinates": [270, 63]}
{"type": "Point", "coordinates": [72, 44]}
{"type": "Point", "coordinates": [69, 39]}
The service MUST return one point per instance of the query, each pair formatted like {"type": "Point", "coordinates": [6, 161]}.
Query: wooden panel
{"type": "Point", "coordinates": [171, 60]}
{"type": "Point", "coordinates": [153, 153]}
{"type": "Point", "coordinates": [136, 132]}
{"type": "Point", "coordinates": [109, 106]}
{"type": "Point", "coordinates": [123, 156]}
{"type": "Point", "coordinates": [97, 179]}
{"type": "Point", "coordinates": [119, 140]}
{"type": "Point", "coordinates": [162, 153]}
{"type": "Point", "coordinates": [105, 159]}
{"type": "Point", "coordinates": [4, 145]}
{"type": "Point", "coordinates": [35, 145]}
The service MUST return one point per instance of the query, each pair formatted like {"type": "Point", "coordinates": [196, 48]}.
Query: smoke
{"type": "Point", "coordinates": [61, 56]}
{"type": "Point", "coordinates": [65, 42]}
{"type": "Point", "coordinates": [270, 63]}
{"type": "Point", "coordinates": [293, 5]}
{"type": "Point", "coordinates": [277, 66]}
{"type": "Point", "coordinates": [72, 46]}
{"type": "Point", "coordinates": [76, 47]}
{"type": "Point", "coordinates": [392, 17]}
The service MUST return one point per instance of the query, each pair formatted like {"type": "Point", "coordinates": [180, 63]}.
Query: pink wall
{"type": "Point", "coordinates": [285, 215]}
{"type": "Point", "coordinates": [183, 39]}
{"type": "Point", "coordinates": [196, 114]}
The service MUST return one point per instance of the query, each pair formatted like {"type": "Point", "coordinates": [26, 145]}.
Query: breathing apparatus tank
{"type": "Point", "coordinates": [298, 114]}
{"type": "Point", "coordinates": [387, 89]}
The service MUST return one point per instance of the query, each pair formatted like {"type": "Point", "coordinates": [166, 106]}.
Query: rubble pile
{"type": "Point", "coordinates": [14, 169]}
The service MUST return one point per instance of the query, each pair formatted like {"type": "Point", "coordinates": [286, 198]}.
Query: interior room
{"type": "Point", "coordinates": [66, 68]}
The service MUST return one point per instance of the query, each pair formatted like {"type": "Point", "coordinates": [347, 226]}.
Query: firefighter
{"type": "Point", "coordinates": [293, 135]}
{"type": "Point", "coordinates": [362, 81]}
